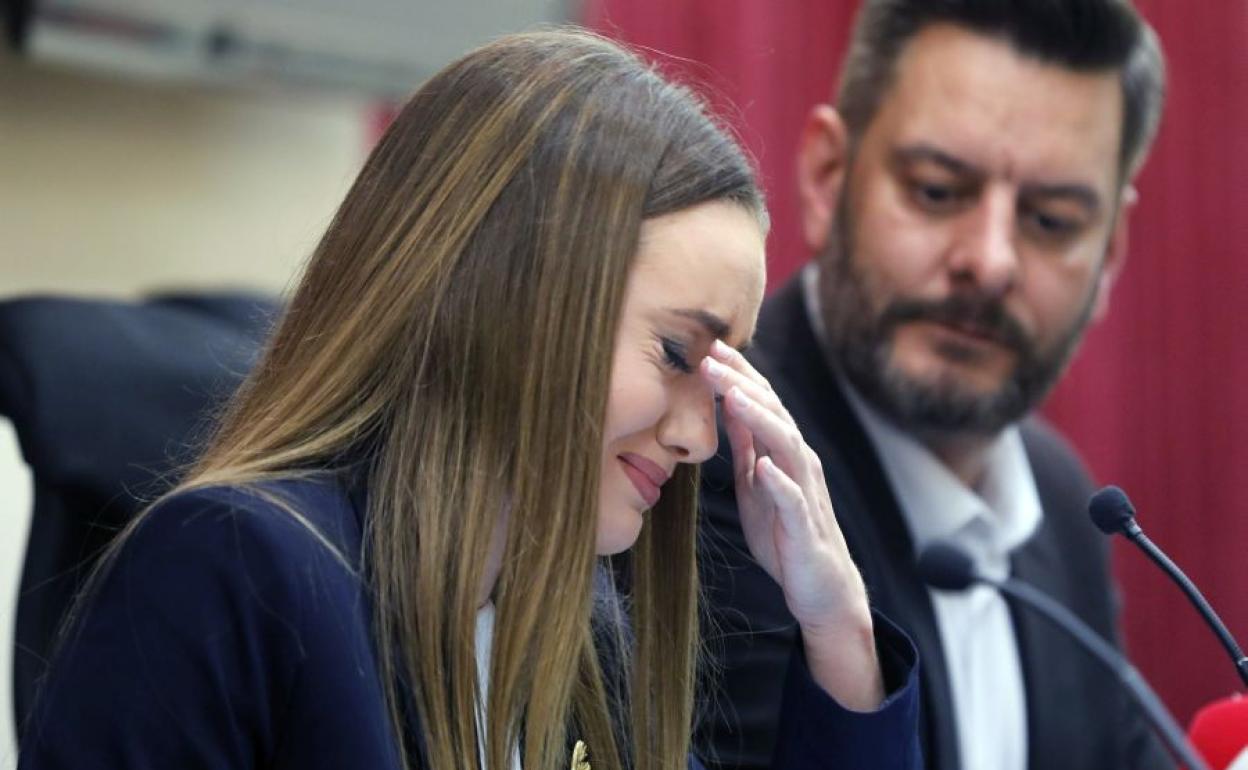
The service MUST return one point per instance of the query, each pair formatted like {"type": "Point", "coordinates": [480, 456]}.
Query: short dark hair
{"type": "Point", "coordinates": [1082, 35]}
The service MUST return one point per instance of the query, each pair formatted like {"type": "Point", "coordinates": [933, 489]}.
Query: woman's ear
{"type": "Point", "coordinates": [822, 157]}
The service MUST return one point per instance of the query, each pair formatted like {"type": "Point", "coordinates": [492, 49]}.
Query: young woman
{"type": "Point", "coordinates": [502, 362]}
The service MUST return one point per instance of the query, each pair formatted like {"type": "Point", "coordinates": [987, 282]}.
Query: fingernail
{"type": "Point", "coordinates": [721, 348]}
{"type": "Point", "coordinates": [714, 368]}
{"type": "Point", "coordinates": [739, 398]}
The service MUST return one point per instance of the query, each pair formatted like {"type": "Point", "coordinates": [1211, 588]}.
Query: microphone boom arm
{"type": "Point", "coordinates": [1107, 655]}
{"type": "Point", "coordinates": [1137, 536]}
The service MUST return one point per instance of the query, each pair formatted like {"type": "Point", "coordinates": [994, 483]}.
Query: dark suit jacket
{"type": "Point", "coordinates": [226, 635]}
{"type": "Point", "coordinates": [1078, 718]}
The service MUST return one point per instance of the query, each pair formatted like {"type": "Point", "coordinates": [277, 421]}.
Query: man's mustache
{"type": "Point", "coordinates": [983, 316]}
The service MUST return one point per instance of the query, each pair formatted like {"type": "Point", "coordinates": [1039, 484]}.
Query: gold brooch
{"type": "Point", "coordinates": [580, 756]}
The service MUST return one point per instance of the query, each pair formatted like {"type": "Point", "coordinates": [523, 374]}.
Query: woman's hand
{"type": "Point", "coordinates": [791, 530]}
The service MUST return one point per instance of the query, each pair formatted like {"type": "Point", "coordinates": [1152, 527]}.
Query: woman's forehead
{"type": "Point", "coordinates": [707, 259]}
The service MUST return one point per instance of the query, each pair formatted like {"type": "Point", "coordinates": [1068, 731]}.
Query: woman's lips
{"type": "Point", "coordinates": [646, 476]}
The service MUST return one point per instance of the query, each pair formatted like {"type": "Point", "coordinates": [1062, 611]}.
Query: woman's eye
{"type": "Point", "coordinates": [676, 355]}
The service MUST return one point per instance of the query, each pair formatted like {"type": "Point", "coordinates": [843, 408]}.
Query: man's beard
{"type": "Point", "coordinates": [861, 338]}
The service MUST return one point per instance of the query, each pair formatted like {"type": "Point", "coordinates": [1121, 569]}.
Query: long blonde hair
{"type": "Point", "coordinates": [453, 335]}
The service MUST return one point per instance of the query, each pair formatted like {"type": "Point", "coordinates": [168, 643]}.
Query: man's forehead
{"type": "Point", "coordinates": [980, 100]}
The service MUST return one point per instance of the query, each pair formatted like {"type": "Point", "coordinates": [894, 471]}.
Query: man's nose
{"type": "Point", "coordinates": [985, 253]}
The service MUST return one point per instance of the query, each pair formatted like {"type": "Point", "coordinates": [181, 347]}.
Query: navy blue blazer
{"type": "Point", "coordinates": [227, 635]}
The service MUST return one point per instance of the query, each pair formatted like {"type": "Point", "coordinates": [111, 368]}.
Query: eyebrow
{"type": "Point", "coordinates": [922, 151]}
{"type": "Point", "coordinates": [1082, 194]}
{"type": "Point", "coordinates": [713, 324]}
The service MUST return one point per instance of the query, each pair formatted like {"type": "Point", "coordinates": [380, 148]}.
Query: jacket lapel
{"type": "Point", "coordinates": [1044, 651]}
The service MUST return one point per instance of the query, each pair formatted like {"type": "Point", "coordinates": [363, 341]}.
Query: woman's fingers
{"type": "Point", "coordinates": [724, 378]}
{"type": "Point", "coordinates": [734, 359]}
{"type": "Point", "coordinates": [741, 442]}
{"type": "Point", "coordinates": [787, 495]}
{"type": "Point", "coordinates": [741, 372]}
{"type": "Point", "coordinates": [772, 436]}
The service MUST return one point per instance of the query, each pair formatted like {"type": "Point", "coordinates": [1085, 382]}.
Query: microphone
{"type": "Point", "coordinates": [1220, 733]}
{"type": "Point", "coordinates": [1113, 513]}
{"type": "Point", "coordinates": [948, 568]}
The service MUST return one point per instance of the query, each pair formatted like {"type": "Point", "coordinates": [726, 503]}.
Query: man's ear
{"type": "Point", "coordinates": [1115, 252]}
{"type": "Point", "coordinates": [822, 158]}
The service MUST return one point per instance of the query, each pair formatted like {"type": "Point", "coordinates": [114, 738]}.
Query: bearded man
{"type": "Point", "coordinates": [967, 199]}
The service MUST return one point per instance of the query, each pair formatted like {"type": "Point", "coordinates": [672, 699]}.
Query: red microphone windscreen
{"type": "Point", "coordinates": [1219, 732]}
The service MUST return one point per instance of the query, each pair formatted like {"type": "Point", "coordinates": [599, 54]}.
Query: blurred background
{"type": "Point", "coordinates": [155, 145]}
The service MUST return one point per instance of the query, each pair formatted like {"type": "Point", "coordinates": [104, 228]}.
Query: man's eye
{"type": "Point", "coordinates": [936, 197]}
{"type": "Point", "coordinates": [1051, 225]}
{"type": "Point", "coordinates": [676, 355]}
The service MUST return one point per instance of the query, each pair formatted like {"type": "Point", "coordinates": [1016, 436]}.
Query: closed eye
{"type": "Point", "coordinates": [676, 355]}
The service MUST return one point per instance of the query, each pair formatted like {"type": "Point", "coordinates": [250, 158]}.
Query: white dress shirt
{"type": "Point", "coordinates": [485, 649]}
{"type": "Point", "coordinates": [976, 632]}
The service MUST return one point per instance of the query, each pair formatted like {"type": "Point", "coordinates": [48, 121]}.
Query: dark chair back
{"type": "Point", "coordinates": [109, 400]}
